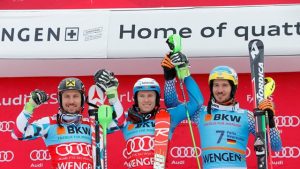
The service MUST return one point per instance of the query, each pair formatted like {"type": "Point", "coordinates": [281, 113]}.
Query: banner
{"type": "Point", "coordinates": [130, 34]}
{"type": "Point", "coordinates": [206, 32]}
{"type": "Point", "coordinates": [53, 34]}
{"type": "Point", "coordinates": [34, 154]}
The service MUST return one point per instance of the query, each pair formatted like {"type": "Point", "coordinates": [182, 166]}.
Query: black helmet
{"type": "Point", "coordinates": [71, 84]}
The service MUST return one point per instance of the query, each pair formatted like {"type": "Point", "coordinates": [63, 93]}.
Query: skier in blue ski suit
{"type": "Point", "coordinates": [223, 126]}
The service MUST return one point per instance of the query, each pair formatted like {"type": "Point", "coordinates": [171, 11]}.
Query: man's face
{"type": "Point", "coordinates": [221, 90]}
{"type": "Point", "coordinates": [71, 101]}
{"type": "Point", "coordinates": [146, 101]}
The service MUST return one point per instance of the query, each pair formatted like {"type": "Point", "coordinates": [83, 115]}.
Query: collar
{"type": "Point", "coordinates": [234, 107]}
{"type": "Point", "coordinates": [69, 118]}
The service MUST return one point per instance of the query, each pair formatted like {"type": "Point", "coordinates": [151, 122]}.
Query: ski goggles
{"type": "Point", "coordinates": [67, 118]}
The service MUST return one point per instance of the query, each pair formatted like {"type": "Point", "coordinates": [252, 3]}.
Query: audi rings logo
{"type": "Point", "coordinates": [138, 144]}
{"type": "Point", "coordinates": [6, 156]}
{"type": "Point", "coordinates": [248, 152]}
{"type": "Point", "coordinates": [288, 152]}
{"type": "Point", "coordinates": [74, 149]}
{"type": "Point", "coordinates": [287, 121]}
{"type": "Point", "coordinates": [40, 155]}
{"type": "Point", "coordinates": [185, 152]}
{"type": "Point", "coordinates": [6, 126]}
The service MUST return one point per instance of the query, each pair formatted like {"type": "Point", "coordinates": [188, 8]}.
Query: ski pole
{"type": "Point", "coordinates": [94, 103]}
{"type": "Point", "coordinates": [97, 139]}
{"type": "Point", "coordinates": [269, 89]}
{"type": "Point", "coordinates": [188, 117]}
{"type": "Point", "coordinates": [174, 43]}
{"type": "Point", "coordinates": [105, 117]}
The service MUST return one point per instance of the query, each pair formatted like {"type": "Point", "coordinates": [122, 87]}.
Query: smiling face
{"type": "Point", "coordinates": [146, 101]}
{"type": "Point", "coordinates": [221, 90]}
{"type": "Point", "coordinates": [71, 101]}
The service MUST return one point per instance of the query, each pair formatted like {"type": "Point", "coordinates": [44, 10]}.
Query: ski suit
{"type": "Point", "coordinates": [224, 134]}
{"type": "Point", "coordinates": [70, 146]}
{"type": "Point", "coordinates": [139, 137]}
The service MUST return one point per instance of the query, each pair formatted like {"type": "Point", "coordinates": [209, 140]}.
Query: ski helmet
{"type": "Point", "coordinates": [226, 73]}
{"type": "Point", "coordinates": [146, 84]}
{"type": "Point", "coordinates": [71, 84]}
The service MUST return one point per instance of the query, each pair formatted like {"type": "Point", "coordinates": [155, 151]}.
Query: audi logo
{"type": "Point", "coordinates": [248, 152]}
{"type": "Point", "coordinates": [189, 152]}
{"type": "Point", "coordinates": [6, 156]}
{"type": "Point", "coordinates": [40, 155]}
{"type": "Point", "coordinates": [74, 149]}
{"type": "Point", "coordinates": [288, 152]}
{"type": "Point", "coordinates": [185, 152]}
{"type": "Point", "coordinates": [138, 144]}
{"type": "Point", "coordinates": [6, 126]}
{"type": "Point", "coordinates": [287, 121]}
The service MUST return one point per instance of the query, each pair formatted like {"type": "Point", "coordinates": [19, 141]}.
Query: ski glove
{"type": "Point", "coordinates": [37, 97]}
{"type": "Point", "coordinates": [168, 67]}
{"type": "Point", "coordinates": [268, 106]}
{"type": "Point", "coordinates": [179, 59]}
{"type": "Point", "coordinates": [107, 82]}
{"type": "Point", "coordinates": [181, 62]}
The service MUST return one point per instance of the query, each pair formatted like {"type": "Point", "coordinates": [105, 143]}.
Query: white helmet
{"type": "Point", "coordinates": [146, 84]}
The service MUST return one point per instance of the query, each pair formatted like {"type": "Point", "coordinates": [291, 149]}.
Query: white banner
{"type": "Point", "coordinates": [53, 34]}
{"type": "Point", "coordinates": [223, 31]}
{"type": "Point", "coordinates": [206, 31]}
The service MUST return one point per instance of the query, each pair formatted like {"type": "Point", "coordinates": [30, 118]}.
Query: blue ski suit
{"type": "Point", "coordinates": [223, 134]}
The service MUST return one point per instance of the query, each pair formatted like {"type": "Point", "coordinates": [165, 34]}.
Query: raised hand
{"type": "Point", "coordinates": [168, 67]}
{"type": "Point", "coordinates": [178, 59]}
{"type": "Point", "coordinates": [39, 97]}
{"type": "Point", "coordinates": [105, 80]}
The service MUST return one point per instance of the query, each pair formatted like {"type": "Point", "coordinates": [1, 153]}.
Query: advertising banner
{"type": "Point", "coordinates": [206, 32]}
{"type": "Point", "coordinates": [53, 34]}
{"type": "Point", "coordinates": [140, 33]}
